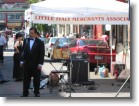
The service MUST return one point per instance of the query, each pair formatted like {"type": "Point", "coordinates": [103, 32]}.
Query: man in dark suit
{"type": "Point", "coordinates": [33, 58]}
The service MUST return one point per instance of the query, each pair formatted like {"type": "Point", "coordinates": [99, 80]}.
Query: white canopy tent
{"type": "Point", "coordinates": [87, 12]}
{"type": "Point", "coordinates": [27, 14]}
{"type": "Point", "coordinates": [27, 18]}
{"type": "Point", "coordinates": [80, 12]}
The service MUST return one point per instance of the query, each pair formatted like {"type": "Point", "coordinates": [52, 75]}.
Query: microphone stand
{"type": "Point", "coordinates": [70, 71]}
{"type": "Point", "coordinates": [96, 71]}
{"type": "Point", "coordinates": [70, 74]}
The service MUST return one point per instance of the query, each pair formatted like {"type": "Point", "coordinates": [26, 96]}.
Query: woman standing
{"type": "Point", "coordinates": [18, 47]}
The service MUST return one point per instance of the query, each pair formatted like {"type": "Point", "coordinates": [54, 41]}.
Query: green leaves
{"type": "Point", "coordinates": [32, 1]}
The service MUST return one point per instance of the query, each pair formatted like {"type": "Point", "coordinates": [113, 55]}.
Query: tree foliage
{"type": "Point", "coordinates": [32, 1]}
{"type": "Point", "coordinates": [42, 27]}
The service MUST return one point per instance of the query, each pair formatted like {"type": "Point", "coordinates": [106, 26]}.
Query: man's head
{"type": "Point", "coordinates": [32, 32]}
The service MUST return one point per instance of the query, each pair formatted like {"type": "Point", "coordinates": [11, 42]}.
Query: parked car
{"type": "Point", "coordinates": [97, 50]}
{"type": "Point", "coordinates": [58, 47]}
{"type": "Point", "coordinates": [63, 42]}
{"type": "Point", "coordinates": [48, 45]}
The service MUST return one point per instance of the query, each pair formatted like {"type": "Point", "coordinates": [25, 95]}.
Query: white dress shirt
{"type": "Point", "coordinates": [31, 43]}
{"type": "Point", "coordinates": [2, 40]}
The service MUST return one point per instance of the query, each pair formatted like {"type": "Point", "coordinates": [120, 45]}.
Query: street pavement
{"type": "Point", "coordinates": [102, 87]}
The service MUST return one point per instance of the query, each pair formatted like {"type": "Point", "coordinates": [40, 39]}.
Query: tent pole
{"type": "Point", "coordinates": [25, 29]}
{"type": "Point", "coordinates": [111, 48]}
{"type": "Point", "coordinates": [31, 22]}
{"type": "Point", "coordinates": [122, 86]}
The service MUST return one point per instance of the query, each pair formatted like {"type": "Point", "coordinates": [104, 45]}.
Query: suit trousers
{"type": "Point", "coordinates": [28, 73]}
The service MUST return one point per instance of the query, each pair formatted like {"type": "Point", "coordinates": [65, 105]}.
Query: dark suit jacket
{"type": "Point", "coordinates": [34, 56]}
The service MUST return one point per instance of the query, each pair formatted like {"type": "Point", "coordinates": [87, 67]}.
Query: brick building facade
{"type": "Point", "coordinates": [12, 14]}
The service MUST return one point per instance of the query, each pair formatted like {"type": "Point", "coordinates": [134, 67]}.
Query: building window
{"type": "Point", "coordinates": [2, 16]}
{"type": "Point", "coordinates": [14, 17]}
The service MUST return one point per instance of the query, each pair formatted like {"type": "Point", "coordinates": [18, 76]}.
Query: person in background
{"type": "Point", "coordinates": [47, 35]}
{"type": "Point", "coordinates": [7, 39]}
{"type": "Point", "coordinates": [18, 47]}
{"type": "Point", "coordinates": [63, 35]}
{"type": "Point", "coordinates": [67, 36]}
{"type": "Point", "coordinates": [2, 46]}
{"type": "Point", "coordinates": [33, 58]}
{"type": "Point", "coordinates": [51, 35]}
{"type": "Point", "coordinates": [104, 38]}
{"type": "Point", "coordinates": [83, 36]}
{"type": "Point", "coordinates": [77, 35]}
{"type": "Point", "coordinates": [38, 35]}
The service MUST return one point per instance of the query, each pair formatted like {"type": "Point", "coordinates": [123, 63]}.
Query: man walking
{"type": "Point", "coordinates": [33, 58]}
{"type": "Point", "coordinates": [2, 46]}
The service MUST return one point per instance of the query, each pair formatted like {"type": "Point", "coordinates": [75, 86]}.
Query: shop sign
{"type": "Point", "coordinates": [13, 24]}
{"type": "Point", "coordinates": [121, 19]}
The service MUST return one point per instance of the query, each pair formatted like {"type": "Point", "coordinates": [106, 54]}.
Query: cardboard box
{"type": "Point", "coordinates": [57, 53]}
{"type": "Point", "coordinates": [65, 53]}
{"type": "Point", "coordinates": [60, 53]}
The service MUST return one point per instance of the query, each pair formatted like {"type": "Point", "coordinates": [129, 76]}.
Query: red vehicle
{"type": "Point", "coordinates": [98, 51]}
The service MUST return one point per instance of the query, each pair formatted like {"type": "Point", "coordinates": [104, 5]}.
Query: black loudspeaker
{"type": "Point", "coordinates": [79, 55]}
{"type": "Point", "coordinates": [79, 71]}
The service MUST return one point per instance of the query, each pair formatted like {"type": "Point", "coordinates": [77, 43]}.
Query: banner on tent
{"type": "Point", "coordinates": [122, 19]}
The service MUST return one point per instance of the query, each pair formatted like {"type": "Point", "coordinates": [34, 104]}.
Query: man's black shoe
{"type": "Point", "coordinates": [3, 81]}
{"type": "Point", "coordinates": [37, 95]}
